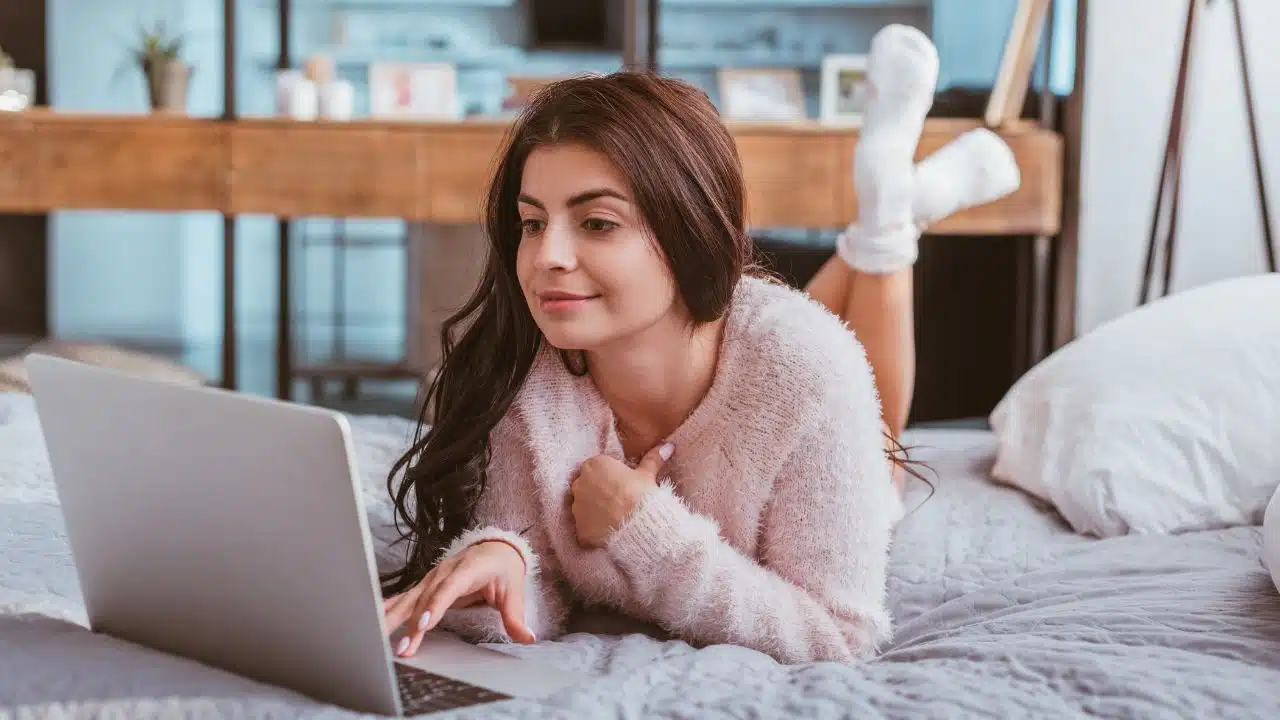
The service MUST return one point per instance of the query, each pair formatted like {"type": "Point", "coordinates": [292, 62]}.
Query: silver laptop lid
{"type": "Point", "coordinates": [207, 524]}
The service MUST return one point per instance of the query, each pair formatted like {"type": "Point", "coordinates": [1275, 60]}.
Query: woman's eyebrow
{"type": "Point", "coordinates": [582, 197]}
{"type": "Point", "coordinates": [589, 195]}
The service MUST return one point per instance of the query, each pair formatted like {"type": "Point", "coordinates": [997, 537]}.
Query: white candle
{"type": "Point", "coordinates": [296, 96]}
{"type": "Point", "coordinates": [337, 100]}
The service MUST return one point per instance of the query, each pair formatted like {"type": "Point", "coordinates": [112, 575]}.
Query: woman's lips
{"type": "Point", "coordinates": [560, 301]}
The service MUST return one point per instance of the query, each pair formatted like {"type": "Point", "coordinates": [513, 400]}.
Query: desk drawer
{"type": "Point", "coordinates": [17, 165]}
{"type": "Point", "coordinates": [109, 164]}
{"type": "Point", "coordinates": [796, 180]}
{"type": "Point", "coordinates": [338, 170]}
{"type": "Point", "coordinates": [459, 167]}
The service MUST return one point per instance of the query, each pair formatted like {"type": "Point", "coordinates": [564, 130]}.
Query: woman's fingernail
{"type": "Point", "coordinates": [403, 647]}
{"type": "Point", "coordinates": [666, 450]}
{"type": "Point", "coordinates": [422, 621]}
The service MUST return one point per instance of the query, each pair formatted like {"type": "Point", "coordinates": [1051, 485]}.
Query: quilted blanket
{"type": "Point", "coordinates": [1000, 612]}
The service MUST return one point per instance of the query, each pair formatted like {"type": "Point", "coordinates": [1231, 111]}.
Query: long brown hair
{"type": "Point", "coordinates": [667, 139]}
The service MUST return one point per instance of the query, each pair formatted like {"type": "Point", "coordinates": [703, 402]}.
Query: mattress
{"type": "Point", "coordinates": [1000, 611]}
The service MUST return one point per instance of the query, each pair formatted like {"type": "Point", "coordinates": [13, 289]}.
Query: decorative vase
{"type": "Point", "coordinates": [167, 85]}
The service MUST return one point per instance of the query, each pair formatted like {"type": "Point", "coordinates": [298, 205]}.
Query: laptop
{"type": "Point", "coordinates": [229, 529]}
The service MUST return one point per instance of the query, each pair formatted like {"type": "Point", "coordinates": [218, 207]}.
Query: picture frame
{"type": "Point", "coordinates": [414, 91]}
{"type": "Point", "coordinates": [843, 89]}
{"type": "Point", "coordinates": [761, 94]}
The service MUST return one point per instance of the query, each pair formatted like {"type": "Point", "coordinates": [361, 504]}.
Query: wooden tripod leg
{"type": "Point", "coordinates": [1269, 248]}
{"type": "Point", "coordinates": [1149, 262]}
{"type": "Point", "coordinates": [1171, 166]}
{"type": "Point", "coordinates": [1175, 205]}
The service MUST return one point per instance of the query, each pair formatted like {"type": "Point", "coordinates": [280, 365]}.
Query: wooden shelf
{"type": "Point", "coordinates": [797, 174]}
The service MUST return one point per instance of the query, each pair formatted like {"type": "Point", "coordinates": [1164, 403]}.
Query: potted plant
{"type": "Point", "coordinates": [168, 77]}
{"type": "Point", "coordinates": [17, 86]}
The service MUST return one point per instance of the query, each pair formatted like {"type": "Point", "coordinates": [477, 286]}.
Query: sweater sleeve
{"type": "Point", "coordinates": [817, 591]}
{"type": "Point", "coordinates": [507, 512]}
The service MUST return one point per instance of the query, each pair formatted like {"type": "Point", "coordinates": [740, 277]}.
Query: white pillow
{"type": "Point", "coordinates": [1271, 539]}
{"type": "Point", "coordinates": [1163, 420]}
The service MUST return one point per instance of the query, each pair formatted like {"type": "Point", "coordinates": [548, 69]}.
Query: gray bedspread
{"type": "Point", "coordinates": [1000, 610]}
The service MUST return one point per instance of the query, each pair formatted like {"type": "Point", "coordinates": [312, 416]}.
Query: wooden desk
{"type": "Point", "coordinates": [796, 174]}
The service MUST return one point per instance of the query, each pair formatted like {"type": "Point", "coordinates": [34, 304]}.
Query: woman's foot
{"type": "Point", "coordinates": [902, 76]}
{"type": "Point", "coordinates": [902, 72]}
{"type": "Point", "coordinates": [974, 169]}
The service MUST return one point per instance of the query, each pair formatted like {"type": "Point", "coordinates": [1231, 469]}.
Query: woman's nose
{"type": "Point", "coordinates": [557, 250]}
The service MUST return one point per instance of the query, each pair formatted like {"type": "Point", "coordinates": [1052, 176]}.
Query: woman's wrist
{"type": "Point", "coordinates": [524, 563]}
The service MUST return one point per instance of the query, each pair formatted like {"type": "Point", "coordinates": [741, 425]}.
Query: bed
{"type": "Point", "coordinates": [1001, 610]}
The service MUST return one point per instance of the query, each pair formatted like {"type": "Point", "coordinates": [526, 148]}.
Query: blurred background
{"type": "Point", "coordinates": [152, 280]}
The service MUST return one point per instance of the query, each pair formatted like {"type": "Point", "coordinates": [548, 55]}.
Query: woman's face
{"type": "Point", "coordinates": [587, 263]}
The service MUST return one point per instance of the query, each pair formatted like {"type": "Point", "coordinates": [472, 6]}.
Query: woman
{"type": "Point", "coordinates": [627, 417]}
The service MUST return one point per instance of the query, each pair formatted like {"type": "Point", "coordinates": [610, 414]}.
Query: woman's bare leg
{"type": "Point", "coordinates": [830, 286]}
{"type": "Point", "coordinates": [868, 283]}
{"type": "Point", "coordinates": [878, 308]}
{"type": "Point", "coordinates": [879, 311]}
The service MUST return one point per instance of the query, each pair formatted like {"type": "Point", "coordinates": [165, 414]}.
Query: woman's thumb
{"type": "Point", "coordinates": [653, 460]}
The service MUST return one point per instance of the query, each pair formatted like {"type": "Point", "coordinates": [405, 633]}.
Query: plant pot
{"type": "Point", "coordinates": [167, 85]}
{"type": "Point", "coordinates": [17, 89]}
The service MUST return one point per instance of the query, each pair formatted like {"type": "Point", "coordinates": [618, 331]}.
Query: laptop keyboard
{"type": "Point", "coordinates": [424, 692]}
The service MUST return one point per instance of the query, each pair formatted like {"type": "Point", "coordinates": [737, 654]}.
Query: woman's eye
{"type": "Point", "coordinates": [531, 226]}
{"type": "Point", "coordinates": [598, 225]}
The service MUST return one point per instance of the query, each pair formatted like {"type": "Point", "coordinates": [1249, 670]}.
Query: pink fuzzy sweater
{"type": "Point", "coordinates": [772, 527]}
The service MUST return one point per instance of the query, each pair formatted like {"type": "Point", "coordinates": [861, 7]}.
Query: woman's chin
{"type": "Point", "coordinates": [568, 338]}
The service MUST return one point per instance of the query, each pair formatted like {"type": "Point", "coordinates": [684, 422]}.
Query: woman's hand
{"type": "Point", "coordinates": [606, 491]}
{"type": "Point", "coordinates": [490, 572]}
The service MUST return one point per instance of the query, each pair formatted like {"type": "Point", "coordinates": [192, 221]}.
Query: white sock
{"type": "Point", "coordinates": [902, 70]}
{"type": "Point", "coordinates": [974, 169]}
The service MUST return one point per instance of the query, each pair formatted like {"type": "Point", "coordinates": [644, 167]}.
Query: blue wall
{"type": "Point", "coordinates": [156, 276]}
{"type": "Point", "coordinates": [125, 274]}
{"type": "Point", "coordinates": [113, 273]}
